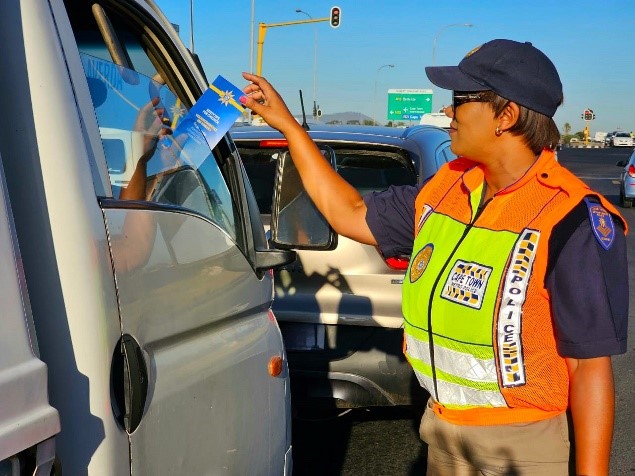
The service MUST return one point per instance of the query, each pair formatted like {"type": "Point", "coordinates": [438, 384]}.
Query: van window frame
{"type": "Point", "coordinates": [167, 58]}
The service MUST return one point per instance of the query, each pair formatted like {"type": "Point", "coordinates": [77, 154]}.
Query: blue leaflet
{"type": "Point", "coordinates": [213, 114]}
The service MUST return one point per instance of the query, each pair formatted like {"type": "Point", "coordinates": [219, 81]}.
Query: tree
{"type": "Point", "coordinates": [567, 128]}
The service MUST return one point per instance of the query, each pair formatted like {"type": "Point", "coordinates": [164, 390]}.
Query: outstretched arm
{"type": "Point", "coordinates": [339, 202]}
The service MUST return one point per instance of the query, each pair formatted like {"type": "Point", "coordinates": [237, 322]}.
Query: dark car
{"type": "Point", "coordinates": [340, 310]}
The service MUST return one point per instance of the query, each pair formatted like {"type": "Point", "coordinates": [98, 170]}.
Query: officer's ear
{"type": "Point", "coordinates": [509, 116]}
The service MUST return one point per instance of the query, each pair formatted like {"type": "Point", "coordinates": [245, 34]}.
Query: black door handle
{"type": "Point", "coordinates": [129, 380]}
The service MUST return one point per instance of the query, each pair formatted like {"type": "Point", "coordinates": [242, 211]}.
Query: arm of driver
{"type": "Point", "coordinates": [592, 403]}
{"type": "Point", "coordinates": [339, 202]}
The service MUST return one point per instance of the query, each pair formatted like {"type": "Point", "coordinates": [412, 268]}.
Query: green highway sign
{"type": "Point", "coordinates": [408, 104]}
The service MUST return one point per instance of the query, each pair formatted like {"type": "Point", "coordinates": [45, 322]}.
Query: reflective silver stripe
{"type": "Point", "coordinates": [454, 362]}
{"type": "Point", "coordinates": [461, 365]}
{"type": "Point", "coordinates": [510, 353]}
{"type": "Point", "coordinates": [453, 394]}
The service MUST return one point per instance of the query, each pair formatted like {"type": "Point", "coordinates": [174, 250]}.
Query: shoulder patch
{"type": "Point", "coordinates": [601, 224]}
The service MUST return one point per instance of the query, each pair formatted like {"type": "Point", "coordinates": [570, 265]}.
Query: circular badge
{"type": "Point", "coordinates": [420, 262]}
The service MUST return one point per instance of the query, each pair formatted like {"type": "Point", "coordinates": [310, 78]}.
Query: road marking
{"type": "Point", "coordinates": [615, 180]}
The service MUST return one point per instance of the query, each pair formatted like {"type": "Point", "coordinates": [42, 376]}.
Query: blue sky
{"type": "Point", "coordinates": [590, 42]}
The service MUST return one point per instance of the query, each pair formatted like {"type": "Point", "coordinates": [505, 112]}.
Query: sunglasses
{"type": "Point", "coordinates": [459, 98]}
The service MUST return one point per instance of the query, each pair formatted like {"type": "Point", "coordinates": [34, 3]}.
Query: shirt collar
{"type": "Point", "coordinates": [473, 178]}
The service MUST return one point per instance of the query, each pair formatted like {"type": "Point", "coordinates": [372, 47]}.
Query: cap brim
{"type": "Point", "coordinates": [451, 77]}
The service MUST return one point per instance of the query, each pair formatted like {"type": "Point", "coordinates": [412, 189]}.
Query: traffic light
{"type": "Point", "coordinates": [336, 13]}
{"type": "Point", "coordinates": [588, 115]}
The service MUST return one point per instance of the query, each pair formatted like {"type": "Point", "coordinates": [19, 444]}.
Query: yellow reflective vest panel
{"type": "Point", "coordinates": [477, 318]}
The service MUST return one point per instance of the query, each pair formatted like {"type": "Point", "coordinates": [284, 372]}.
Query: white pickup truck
{"type": "Point", "coordinates": [599, 136]}
{"type": "Point", "coordinates": [136, 329]}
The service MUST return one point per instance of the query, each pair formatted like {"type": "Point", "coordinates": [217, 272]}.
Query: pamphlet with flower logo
{"type": "Point", "coordinates": [213, 114]}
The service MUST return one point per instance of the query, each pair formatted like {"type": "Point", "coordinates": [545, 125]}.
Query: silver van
{"type": "Point", "coordinates": [145, 261]}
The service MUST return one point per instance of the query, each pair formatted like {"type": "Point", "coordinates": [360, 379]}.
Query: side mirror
{"type": "Point", "coordinates": [621, 163]}
{"type": "Point", "coordinates": [295, 220]}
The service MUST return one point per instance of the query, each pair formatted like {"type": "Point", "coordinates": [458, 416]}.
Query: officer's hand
{"type": "Point", "coordinates": [265, 101]}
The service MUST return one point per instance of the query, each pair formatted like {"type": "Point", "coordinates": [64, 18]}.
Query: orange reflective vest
{"type": "Point", "coordinates": [477, 317]}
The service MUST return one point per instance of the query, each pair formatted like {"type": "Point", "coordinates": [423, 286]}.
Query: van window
{"type": "Point", "coordinates": [136, 110]}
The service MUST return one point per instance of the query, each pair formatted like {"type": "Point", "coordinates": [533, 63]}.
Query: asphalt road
{"type": "Point", "coordinates": [384, 441]}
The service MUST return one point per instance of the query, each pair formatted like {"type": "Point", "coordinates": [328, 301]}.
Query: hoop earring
{"type": "Point", "coordinates": [498, 132]}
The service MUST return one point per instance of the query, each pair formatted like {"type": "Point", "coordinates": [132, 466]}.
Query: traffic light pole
{"type": "Point", "coordinates": [262, 32]}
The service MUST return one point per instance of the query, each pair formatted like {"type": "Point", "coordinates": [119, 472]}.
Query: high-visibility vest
{"type": "Point", "coordinates": [477, 316]}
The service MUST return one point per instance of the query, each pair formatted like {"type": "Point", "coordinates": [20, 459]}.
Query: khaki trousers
{"type": "Point", "coordinates": [537, 448]}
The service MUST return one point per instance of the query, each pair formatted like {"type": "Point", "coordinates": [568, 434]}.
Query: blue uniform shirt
{"type": "Point", "coordinates": [588, 284]}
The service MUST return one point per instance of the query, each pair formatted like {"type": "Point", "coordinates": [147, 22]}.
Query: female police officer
{"type": "Point", "coordinates": [517, 292]}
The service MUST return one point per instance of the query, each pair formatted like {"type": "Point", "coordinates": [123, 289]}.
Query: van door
{"type": "Point", "coordinates": [199, 378]}
{"type": "Point", "coordinates": [28, 423]}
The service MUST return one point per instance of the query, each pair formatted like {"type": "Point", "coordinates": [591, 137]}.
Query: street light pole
{"type": "Point", "coordinates": [441, 30]}
{"type": "Point", "coordinates": [192, 26]}
{"type": "Point", "coordinates": [434, 43]}
{"type": "Point", "coordinates": [251, 40]}
{"type": "Point", "coordinates": [375, 91]}
{"type": "Point", "coordinates": [315, 45]}
{"type": "Point", "coordinates": [251, 50]}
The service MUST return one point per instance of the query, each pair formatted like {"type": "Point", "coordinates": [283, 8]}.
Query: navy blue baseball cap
{"type": "Point", "coordinates": [516, 71]}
